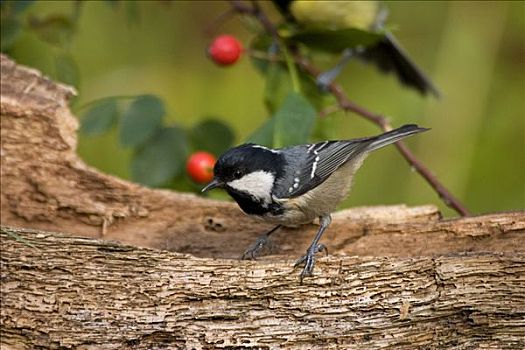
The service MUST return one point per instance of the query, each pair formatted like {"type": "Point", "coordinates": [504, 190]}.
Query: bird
{"type": "Point", "coordinates": [386, 53]}
{"type": "Point", "coordinates": [295, 185]}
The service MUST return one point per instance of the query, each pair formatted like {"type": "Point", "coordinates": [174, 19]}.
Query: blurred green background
{"type": "Point", "coordinates": [474, 52]}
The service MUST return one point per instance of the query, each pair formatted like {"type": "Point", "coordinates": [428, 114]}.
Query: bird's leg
{"type": "Point", "coordinates": [255, 249]}
{"type": "Point", "coordinates": [309, 258]}
{"type": "Point", "coordinates": [326, 78]}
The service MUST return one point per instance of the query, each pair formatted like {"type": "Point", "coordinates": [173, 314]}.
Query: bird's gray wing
{"type": "Point", "coordinates": [311, 165]}
{"type": "Point", "coordinates": [308, 166]}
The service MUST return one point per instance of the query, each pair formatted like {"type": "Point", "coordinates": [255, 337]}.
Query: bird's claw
{"type": "Point", "coordinates": [256, 248]}
{"type": "Point", "coordinates": [309, 260]}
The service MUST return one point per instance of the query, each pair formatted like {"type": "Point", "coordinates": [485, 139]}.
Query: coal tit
{"type": "Point", "coordinates": [295, 185]}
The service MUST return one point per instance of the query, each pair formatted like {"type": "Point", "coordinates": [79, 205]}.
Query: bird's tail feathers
{"type": "Point", "coordinates": [394, 136]}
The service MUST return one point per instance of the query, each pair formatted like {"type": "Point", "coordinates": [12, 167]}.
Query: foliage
{"type": "Point", "coordinates": [292, 124]}
{"type": "Point", "coordinates": [57, 30]}
{"type": "Point", "coordinates": [159, 150]}
{"type": "Point", "coordinates": [12, 25]}
{"type": "Point", "coordinates": [156, 48]}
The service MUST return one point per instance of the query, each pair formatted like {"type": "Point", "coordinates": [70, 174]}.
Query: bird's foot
{"type": "Point", "coordinates": [309, 260]}
{"type": "Point", "coordinates": [262, 243]}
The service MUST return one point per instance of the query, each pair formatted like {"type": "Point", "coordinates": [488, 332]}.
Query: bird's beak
{"type": "Point", "coordinates": [213, 184]}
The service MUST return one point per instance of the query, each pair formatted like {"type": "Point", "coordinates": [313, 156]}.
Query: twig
{"type": "Point", "coordinates": [448, 198]}
{"type": "Point", "coordinates": [270, 57]}
{"type": "Point", "coordinates": [335, 89]}
{"type": "Point", "coordinates": [256, 11]}
{"type": "Point", "coordinates": [329, 110]}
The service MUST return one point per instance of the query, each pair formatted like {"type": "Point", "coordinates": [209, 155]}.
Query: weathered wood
{"type": "Point", "coordinates": [45, 185]}
{"type": "Point", "coordinates": [399, 276]}
{"type": "Point", "coordinates": [69, 292]}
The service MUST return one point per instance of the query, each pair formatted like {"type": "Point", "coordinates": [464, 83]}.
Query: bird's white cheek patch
{"type": "Point", "coordinates": [259, 184]}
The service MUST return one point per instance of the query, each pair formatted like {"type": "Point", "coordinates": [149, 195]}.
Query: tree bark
{"type": "Point", "coordinates": [70, 292]}
{"type": "Point", "coordinates": [399, 277]}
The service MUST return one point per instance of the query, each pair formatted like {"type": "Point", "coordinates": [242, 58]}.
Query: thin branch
{"type": "Point", "coordinates": [270, 57]}
{"type": "Point", "coordinates": [256, 11]}
{"type": "Point", "coordinates": [335, 89]}
{"type": "Point", "coordinates": [448, 198]}
{"type": "Point", "coordinates": [329, 110]}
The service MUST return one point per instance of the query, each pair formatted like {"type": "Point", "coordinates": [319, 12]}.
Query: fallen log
{"type": "Point", "coordinates": [398, 277]}
{"type": "Point", "coordinates": [70, 292]}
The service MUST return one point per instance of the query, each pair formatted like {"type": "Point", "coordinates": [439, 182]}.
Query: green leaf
{"type": "Point", "coordinates": [100, 117]}
{"type": "Point", "coordinates": [261, 43]}
{"type": "Point", "coordinates": [161, 158]}
{"type": "Point", "coordinates": [277, 86]}
{"type": "Point", "coordinates": [55, 29]}
{"type": "Point", "coordinates": [294, 121]}
{"type": "Point", "coordinates": [11, 28]}
{"type": "Point", "coordinates": [278, 80]}
{"type": "Point", "coordinates": [140, 121]}
{"type": "Point", "coordinates": [312, 92]}
{"type": "Point", "coordinates": [336, 40]}
{"type": "Point", "coordinates": [291, 125]}
{"type": "Point", "coordinates": [67, 69]}
{"type": "Point", "coordinates": [213, 136]}
{"type": "Point", "coordinates": [264, 134]}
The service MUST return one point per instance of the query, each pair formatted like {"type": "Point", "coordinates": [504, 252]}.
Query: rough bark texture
{"type": "Point", "coordinates": [68, 292]}
{"type": "Point", "coordinates": [45, 185]}
{"type": "Point", "coordinates": [411, 282]}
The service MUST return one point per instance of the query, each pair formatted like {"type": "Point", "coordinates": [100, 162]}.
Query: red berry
{"type": "Point", "coordinates": [200, 166]}
{"type": "Point", "coordinates": [225, 50]}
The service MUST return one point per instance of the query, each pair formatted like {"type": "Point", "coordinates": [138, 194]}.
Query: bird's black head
{"type": "Point", "coordinates": [261, 163]}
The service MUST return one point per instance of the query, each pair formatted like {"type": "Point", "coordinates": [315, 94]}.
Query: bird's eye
{"type": "Point", "coordinates": [237, 174]}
